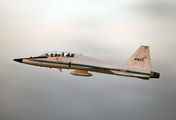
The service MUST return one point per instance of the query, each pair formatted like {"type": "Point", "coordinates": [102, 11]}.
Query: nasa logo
{"type": "Point", "coordinates": [140, 59]}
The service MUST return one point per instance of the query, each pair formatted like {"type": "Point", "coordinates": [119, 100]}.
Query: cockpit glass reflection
{"type": "Point", "coordinates": [57, 54]}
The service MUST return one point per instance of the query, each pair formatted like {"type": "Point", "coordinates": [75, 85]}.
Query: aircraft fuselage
{"type": "Point", "coordinates": [82, 64]}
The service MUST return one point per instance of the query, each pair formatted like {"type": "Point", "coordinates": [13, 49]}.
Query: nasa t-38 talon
{"type": "Point", "coordinates": [138, 65]}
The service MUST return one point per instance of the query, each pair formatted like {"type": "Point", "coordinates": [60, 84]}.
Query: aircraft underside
{"type": "Point", "coordinates": [82, 70]}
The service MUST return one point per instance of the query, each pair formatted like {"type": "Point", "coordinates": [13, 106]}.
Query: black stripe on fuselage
{"type": "Point", "coordinates": [92, 67]}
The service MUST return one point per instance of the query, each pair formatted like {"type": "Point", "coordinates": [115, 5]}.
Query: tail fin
{"type": "Point", "coordinates": [140, 59]}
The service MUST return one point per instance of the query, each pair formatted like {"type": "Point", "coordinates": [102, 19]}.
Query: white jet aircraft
{"type": "Point", "coordinates": [138, 65]}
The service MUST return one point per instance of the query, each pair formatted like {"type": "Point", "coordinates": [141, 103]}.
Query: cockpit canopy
{"type": "Point", "coordinates": [57, 54]}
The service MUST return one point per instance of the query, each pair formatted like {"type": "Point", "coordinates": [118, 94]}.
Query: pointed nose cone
{"type": "Point", "coordinates": [18, 60]}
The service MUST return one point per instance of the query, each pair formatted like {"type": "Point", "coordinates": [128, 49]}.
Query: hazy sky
{"type": "Point", "coordinates": [111, 30]}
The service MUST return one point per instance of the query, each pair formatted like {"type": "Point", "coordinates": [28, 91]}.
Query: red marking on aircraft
{"type": "Point", "coordinates": [141, 58]}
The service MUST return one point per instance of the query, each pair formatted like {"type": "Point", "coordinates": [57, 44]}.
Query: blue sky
{"type": "Point", "coordinates": [110, 30]}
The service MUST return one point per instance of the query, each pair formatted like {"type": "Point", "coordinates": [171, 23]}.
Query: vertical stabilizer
{"type": "Point", "coordinates": [140, 59]}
